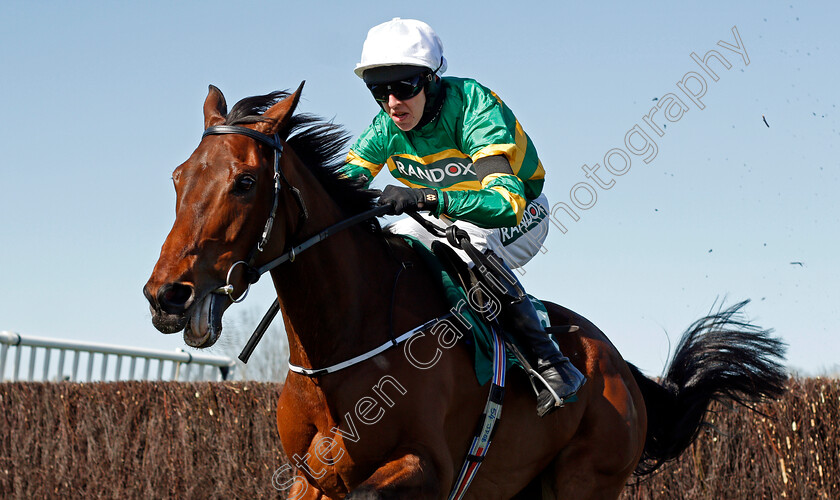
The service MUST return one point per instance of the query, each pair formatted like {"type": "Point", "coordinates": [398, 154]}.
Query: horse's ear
{"type": "Point", "coordinates": [279, 114]}
{"type": "Point", "coordinates": [215, 107]}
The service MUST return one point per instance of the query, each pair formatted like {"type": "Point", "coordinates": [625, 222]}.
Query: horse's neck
{"type": "Point", "coordinates": [335, 296]}
{"type": "Point", "coordinates": [333, 299]}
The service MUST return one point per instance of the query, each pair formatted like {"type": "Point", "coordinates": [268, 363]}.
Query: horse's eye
{"type": "Point", "coordinates": [244, 183]}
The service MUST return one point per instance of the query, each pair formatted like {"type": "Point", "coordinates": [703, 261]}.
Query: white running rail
{"type": "Point", "coordinates": [183, 365]}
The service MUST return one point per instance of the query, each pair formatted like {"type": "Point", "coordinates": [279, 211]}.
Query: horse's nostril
{"type": "Point", "coordinates": [175, 297]}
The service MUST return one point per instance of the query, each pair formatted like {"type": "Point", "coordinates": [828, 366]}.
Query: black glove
{"type": "Point", "coordinates": [405, 198]}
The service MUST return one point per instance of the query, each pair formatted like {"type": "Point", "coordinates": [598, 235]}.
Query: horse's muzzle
{"type": "Point", "coordinates": [177, 307]}
{"type": "Point", "coordinates": [169, 306]}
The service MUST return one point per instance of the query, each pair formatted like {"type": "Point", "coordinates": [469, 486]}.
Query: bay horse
{"type": "Point", "coordinates": [388, 427]}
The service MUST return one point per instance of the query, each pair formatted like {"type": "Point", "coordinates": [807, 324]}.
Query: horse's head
{"type": "Point", "coordinates": [224, 196]}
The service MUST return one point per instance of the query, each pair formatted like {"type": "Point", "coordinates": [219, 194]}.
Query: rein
{"type": "Point", "coordinates": [331, 230]}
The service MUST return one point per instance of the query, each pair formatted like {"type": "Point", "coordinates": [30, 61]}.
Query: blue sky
{"type": "Point", "coordinates": [102, 100]}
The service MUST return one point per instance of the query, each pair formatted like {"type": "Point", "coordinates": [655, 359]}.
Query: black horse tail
{"type": "Point", "coordinates": [721, 357]}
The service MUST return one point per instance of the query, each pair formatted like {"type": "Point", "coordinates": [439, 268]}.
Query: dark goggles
{"type": "Point", "coordinates": [402, 89]}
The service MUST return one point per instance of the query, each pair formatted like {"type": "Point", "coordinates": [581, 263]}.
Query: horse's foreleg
{"type": "Point", "coordinates": [302, 489]}
{"type": "Point", "coordinates": [406, 475]}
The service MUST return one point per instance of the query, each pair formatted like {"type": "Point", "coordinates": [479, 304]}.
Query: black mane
{"type": "Point", "coordinates": [318, 143]}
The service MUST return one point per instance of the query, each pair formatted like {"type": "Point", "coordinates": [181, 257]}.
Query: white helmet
{"type": "Point", "coordinates": [400, 42]}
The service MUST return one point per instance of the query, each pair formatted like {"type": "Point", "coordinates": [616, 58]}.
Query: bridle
{"type": "Point", "coordinates": [252, 274]}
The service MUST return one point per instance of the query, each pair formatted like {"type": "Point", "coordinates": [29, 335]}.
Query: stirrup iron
{"type": "Point", "coordinates": [532, 375]}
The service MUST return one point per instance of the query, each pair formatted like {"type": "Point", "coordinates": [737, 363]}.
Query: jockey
{"type": "Point", "coordinates": [463, 157]}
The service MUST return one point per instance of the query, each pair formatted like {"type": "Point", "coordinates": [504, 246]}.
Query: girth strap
{"type": "Point", "coordinates": [487, 425]}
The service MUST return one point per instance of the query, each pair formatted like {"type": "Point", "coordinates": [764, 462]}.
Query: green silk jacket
{"type": "Point", "coordinates": [473, 123]}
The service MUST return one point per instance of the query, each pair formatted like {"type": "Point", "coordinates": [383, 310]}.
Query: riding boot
{"type": "Point", "coordinates": [559, 378]}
